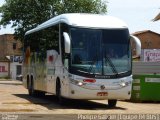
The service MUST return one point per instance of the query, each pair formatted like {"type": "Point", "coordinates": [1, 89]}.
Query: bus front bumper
{"type": "Point", "coordinates": [78, 92]}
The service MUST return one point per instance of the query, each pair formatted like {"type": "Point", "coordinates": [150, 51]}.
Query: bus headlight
{"type": "Point", "coordinates": [124, 84]}
{"type": "Point", "coordinates": [80, 83]}
{"type": "Point", "coordinates": [75, 82]}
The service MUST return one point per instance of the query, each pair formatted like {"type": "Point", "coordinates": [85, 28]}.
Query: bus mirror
{"type": "Point", "coordinates": [66, 42]}
{"type": "Point", "coordinates": [138, 45]}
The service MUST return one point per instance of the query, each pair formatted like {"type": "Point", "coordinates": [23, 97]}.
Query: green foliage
{"type": "Point", "coordinates": [4, 78]}
{"type": "Point", "coordinates": [27, 14]}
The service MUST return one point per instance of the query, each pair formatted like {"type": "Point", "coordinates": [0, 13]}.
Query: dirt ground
{"type": "Point", "coordinates": [14, 98]}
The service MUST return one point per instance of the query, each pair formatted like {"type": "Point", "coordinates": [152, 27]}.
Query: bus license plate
{"type": "Point", "coordinates": [102, 93]}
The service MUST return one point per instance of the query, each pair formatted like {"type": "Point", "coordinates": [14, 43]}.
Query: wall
{"type": "Point", "coordinates": [149, 40]}
{"type": "Point", "coordinates": [2, 47]}
{"type": "Point", "coordinates": [15, 61]}
{"type": "Point", "coordinates": [10, 41]}
{"type": "Point", "coordinates": [6, 46]}
{"type": "Point", "coordinates": [7, 50]}
{"type": "Point", "coordinates": [4, 69]}
{"type": "Point", "coordinates": [13, 70]}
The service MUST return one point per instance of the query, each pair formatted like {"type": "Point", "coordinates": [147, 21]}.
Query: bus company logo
{"type": "Point", "coordinates": [102, 87]}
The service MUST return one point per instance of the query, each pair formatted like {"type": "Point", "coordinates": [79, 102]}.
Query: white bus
{"type": "Point", "coordinates": [79, 56]}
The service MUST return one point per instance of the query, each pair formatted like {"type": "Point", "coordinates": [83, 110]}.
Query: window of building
{"type": "Point", "coordinates": [14, 46]}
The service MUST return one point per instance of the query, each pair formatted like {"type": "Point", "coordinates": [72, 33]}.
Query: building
{"type": "Point", "coordinates": [10, 56]}
{"type": "Point", "coordinates": [149, 39]}
{"type": "Point", "coordinates": [150, 42]}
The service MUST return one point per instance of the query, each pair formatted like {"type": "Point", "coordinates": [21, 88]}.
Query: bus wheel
{"type": "Point", "coordinates": [30, 88]}
{"type": "Point", "coordinates": [112, 103]}
{"type": "Point", "coordinates": [58, 93]}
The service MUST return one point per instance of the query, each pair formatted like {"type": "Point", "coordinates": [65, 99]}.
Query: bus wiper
{"type": "Point", "coordinates": [112, 65]}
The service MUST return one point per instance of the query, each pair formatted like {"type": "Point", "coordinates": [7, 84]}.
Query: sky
{"type": "Point", "coordinates": [138, 14]}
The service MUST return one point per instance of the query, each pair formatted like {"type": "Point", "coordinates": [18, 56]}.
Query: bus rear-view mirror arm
{"type": "Point", "coordinates": [138, 45]}
{"type": "Point", "coordinates": [67, 42]}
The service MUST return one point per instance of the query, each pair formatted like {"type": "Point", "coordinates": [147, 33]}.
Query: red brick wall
{"type": "Point", "coordinates": [6, 46]}
{"type": "Point", "coordinates": [149, 40]}
{"type": "Point", "coordinates": [2, 47]}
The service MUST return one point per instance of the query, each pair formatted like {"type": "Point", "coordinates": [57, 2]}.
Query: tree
{"type": "Point", "coordinates": [27, 14]}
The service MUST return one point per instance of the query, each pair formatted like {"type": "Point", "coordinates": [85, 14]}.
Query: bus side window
{"type": "Point", "coordinates": [52, 38]}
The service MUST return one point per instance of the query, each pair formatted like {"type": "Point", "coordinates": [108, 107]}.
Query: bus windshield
{"type": "Point", "coordinates": [100, 51]}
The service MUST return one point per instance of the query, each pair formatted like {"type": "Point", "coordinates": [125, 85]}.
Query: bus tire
{"type": "Point", "coordinates": [31, 90]}
{"type": "Point", "coordinates": [58, 93]}
{"type": "Point", "coordinates": [27, 81]}
{"type": "Point", "coordinates": [112, 103]}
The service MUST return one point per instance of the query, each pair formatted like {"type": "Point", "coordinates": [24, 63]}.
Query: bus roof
{"type": "Point", "coordinates": [82, 20]}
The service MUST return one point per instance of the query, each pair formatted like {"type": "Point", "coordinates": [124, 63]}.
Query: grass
{"type": "Point", "coordinates": [6, 78]}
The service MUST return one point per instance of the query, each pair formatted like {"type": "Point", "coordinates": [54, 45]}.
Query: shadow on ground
{"type": "Point", "coordinates": [51, 103]}
{"type": "Point", "coordinates": [142, 101]}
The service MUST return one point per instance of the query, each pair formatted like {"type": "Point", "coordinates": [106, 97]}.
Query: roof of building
{"type": "Point", "coordinates": [144, 31]}
{"type": "Point", "coordinates": [6, 34]}
{"type": "Point", "coordinates": [82, 20]}
{"type": "Point", "coordinates": [4, 59]}
{"type": "Point", "coordinates": [157, 17]}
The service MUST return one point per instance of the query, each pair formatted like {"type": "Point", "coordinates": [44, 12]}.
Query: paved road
{"type": "Point", "coordinates": [14, 100]}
